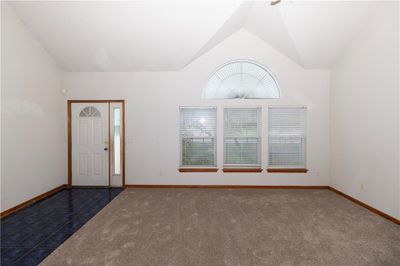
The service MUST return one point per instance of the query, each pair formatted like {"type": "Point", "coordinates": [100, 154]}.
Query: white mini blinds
{"type": "Point", "coordinates": [198, 136]}
{"type": "Point", "coordinates": [287, 137]}
{"type": "Point", "coordinates": [242, 141]}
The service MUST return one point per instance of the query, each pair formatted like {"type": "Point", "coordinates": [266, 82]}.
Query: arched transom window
{"type": "Point", "coordinates": [90, 111]}
{"type": "Point", "coordinates": [241, 79]}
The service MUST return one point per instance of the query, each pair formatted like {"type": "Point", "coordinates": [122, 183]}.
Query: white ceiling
{"type": "Point", "coordinates": [321, 29]}
{"type": "Point", "coordinates": [168, 35]}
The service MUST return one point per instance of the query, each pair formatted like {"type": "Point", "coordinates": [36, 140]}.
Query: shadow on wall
{"type": "Point", "coordinates": [102, 59]}
{"type": "Point", "coordinates": [20, 107]}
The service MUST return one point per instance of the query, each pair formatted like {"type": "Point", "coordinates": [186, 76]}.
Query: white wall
{"type": "Point", "coordinates": [33, 125]}
{"type": "Point", "coordinates": [152, 117]}
{"type": "Point", "coordinates": [398, 107]}
{"type": "Point", "coordinates": [365, 115]}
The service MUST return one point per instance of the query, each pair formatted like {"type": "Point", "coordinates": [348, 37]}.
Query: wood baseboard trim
{"type": "Point", "coordinates": [225, 186]}
{"type": "Point", "coordinates": [31, 201]}
{"type": "Point", "coordinates": [362, 204]}
{"type": "Point", "coordinates": [59, 188]}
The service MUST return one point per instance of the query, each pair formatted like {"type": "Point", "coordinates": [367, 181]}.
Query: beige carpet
{"type": "Point", "coordinates": [231, 227]}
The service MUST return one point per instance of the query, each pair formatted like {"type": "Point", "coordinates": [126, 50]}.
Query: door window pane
{"type": "Point", "coordinates": [117, 141]}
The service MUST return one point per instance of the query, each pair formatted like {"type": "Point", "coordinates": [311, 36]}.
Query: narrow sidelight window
{"type": "Point", "coordinates": [287, 137]}
{"type": "Point", "coordinates": [242, 141]}
{"type": "Point", "coordinates": [198, 137]}
{"type": "Point", "coordinates": [117, 141]}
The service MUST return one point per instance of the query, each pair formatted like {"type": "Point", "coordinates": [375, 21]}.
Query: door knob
{"type": "Point", "coordinates": [106, 149]}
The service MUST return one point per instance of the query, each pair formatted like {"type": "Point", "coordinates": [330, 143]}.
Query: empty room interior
{"type": "Point", "coordinates": [200, 133]}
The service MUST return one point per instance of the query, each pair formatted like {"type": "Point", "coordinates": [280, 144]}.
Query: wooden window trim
{"type": "Point", "coordinates": [242, 170]}
{"type": "Point", "coordinates": [199, 170]}
{"type": "Point", "coordinates": [287, 170]}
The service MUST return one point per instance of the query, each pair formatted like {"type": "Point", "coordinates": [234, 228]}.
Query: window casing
{"type": "Point", "coordinates": [242, 140]}
{"type": "Point", "coordinates": [198, 137]}
{"type": "Point", "coordinates": [287, 137]}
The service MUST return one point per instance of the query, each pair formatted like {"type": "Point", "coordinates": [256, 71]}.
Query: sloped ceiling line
{"type": "Point", "coordinates": [231, 25]}
{"type": "Point", "coordinates": [168, 36]}
{"type": "Point", "coordinates": [266, 22]}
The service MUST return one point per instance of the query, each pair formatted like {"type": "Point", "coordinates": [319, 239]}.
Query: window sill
{"type": "Point", "coordinates": [242, 170]}
{"type": "Point", "coordinates": [287, 170]}
{"type": "Point", "coordinates": [199, 170]}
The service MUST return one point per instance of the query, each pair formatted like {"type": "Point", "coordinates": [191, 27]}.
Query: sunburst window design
{"type": "Point", "coordinates": [241, 79]}
{"type": "Point", "coordinates": [90, 111]}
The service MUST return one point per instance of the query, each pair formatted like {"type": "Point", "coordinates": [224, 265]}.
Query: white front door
{"type": "Point", "coordinates": [90, 140]}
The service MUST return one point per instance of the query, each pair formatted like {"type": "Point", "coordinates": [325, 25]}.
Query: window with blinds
{"type": "Point", "coordinates": [242, 141]}
{"type": "Point", "coordinates": [287, 137]}
{"type": "Point", "coordinates": [198, 136]}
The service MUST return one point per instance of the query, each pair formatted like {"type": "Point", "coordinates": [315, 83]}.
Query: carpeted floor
{"type": "Point", "coordinates": [231, 227]}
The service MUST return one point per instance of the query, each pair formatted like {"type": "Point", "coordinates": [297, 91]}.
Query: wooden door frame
{"type": "Point", "coordinates": [69, 115]}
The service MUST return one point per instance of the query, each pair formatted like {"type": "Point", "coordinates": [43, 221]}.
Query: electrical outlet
{"type": "Point", "coordinates": [362, 187]}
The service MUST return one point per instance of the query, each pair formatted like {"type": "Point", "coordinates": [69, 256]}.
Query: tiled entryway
{"type": "Point", "coordinates": [30, 235]}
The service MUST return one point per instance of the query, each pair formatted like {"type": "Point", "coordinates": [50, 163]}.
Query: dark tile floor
{"type": "Point", "coordinates": [30, 235]}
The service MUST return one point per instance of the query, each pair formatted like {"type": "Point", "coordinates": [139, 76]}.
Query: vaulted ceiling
{"type": "Point", "coordinates": [168, 35]}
